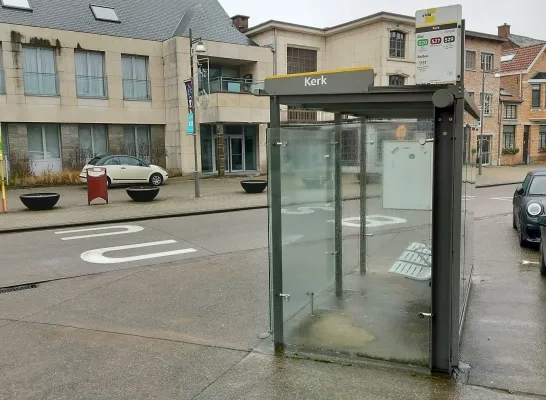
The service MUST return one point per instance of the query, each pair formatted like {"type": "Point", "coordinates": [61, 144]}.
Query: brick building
{"type": "Point", "coordinates": [523, 82]}
{"type": "Point", "coordinates": [515, 41]}
{"type": "Point", "coordinates": [482, 63]}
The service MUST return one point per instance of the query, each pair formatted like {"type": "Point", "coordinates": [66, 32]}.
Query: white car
{"type": "Point", "coordinates": [123, 169]}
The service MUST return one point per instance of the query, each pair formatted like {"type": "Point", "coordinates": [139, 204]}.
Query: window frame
{"type": "Point", "coordinates": [483, 55]}
{"type": "Point", "coordinates": [44, 141]}
{"type": "Point", "coordinates": [542, 137]}
{"type": "Point", "coordinates": [473, 52]}
{"type": "Point", "coordinates": [92, 133]}
{"type": "Point", "coordinates": [134, 128]}
{"type": "Point", "coordinates": [510, 115]}
{"type": "Point", "coordinates": [17, 7]}
{"type": "Point", "coordinates": [489, 97]}
{"type": "Point", "coordinates": [394, 77]}
{"type": "Point", "coordinates": [397, 44]}
{"type": "Point", "coordinates": [296, 63]}
{"type": "Point", "coordinates": [124, 80]}
{"type": "Point", "coordinates": [39, 64]}
{"type": "Point", "coordinates": [2, 73]}
{"type": "Point", "coordinates": [536, 88]}
{"type": "Point", "coordinates": [93, 6]}
{"type": "Point", "coordinates": [512, 135]}
{"type": "Point", "coordinates": [104, 80]}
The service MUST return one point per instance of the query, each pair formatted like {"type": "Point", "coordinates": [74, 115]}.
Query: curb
{"type": "Point", "coordinates": [144, 218]}
{"type": "Point", "coordinates": [488, 185]}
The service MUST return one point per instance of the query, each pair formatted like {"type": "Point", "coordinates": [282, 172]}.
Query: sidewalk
{"type": "Point", "coordinates": [494, 176]}
{"type": "Point", "coordinates": [176, 198]}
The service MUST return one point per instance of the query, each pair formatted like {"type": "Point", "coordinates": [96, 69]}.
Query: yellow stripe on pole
{"type": "Point", "coordinates": [2, 180]}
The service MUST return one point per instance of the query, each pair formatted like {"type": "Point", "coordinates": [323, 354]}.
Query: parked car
{"type": "Point", "coordinates": [124, 169]}
{"type": "Point", "coordinates": [542, 259]}
{"type": "Point", "coordinates": [528, 204]}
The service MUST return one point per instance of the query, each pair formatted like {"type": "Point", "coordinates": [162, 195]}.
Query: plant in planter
{"type": "Point", "coordinates": [39, 201]}
{"type": "Point", "coordinates": [507, 151]}
{"type": "Point", "coordinates": [142, 193]}
{"type": "Point", "coordinates": [254, 185]}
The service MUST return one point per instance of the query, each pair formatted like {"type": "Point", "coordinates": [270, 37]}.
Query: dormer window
{"type": "Point", "coordinates": [22, 4]}
{"type": "Point", "coordinates": [104, 13]}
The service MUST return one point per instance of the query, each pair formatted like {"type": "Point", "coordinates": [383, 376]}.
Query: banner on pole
{"type": "Point", "coordinates": [191, 127]}
{"type": "Point", "coordinates": [189, 92]}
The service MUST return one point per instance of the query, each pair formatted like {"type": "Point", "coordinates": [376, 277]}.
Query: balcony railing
{"type": "Point", "coordinates": [232, 85]}
{"type": "Point", "coordinates": [41, 84]}
{"type": "Point", "coordinates": [2, 82]}
{"type": "Point", "coordinates": [137, 89]}
{"type": "Point", "coordinates": [94, 87]}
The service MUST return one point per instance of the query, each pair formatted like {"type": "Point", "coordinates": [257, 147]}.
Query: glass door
{"type": "Point", "coordinates": [236, 156]}
{"type": "Point", "coordinates": [486, 149]}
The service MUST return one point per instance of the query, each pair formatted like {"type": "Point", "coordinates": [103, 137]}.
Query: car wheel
{"type": "Point", "coordinates": [156, 179]}
{"type": "Point", "coordinates": [514, 221]}
{"type": "Point", "coordinates": [522, 241]}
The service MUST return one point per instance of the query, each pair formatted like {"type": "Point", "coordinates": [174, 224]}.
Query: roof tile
{"type": "Point", "coordinates": [523, 59]}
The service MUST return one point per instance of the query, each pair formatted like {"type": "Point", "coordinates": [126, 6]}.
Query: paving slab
{"type": "Point", "coordinates": [219, 301]}
{"type": "Point", "coordinates": [23, 303]}
{"type": "Point", "coordinates": [263, 377]}
{"type": "Point", "coordinates": [504, 174]}
{"type": "Point", "coordinates": [60, 363]}
{"type": "Point", "coordinates": [5, 322]}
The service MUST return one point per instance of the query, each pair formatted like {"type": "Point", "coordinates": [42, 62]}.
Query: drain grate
{"type": "Point", "coordinates": [17, 288]}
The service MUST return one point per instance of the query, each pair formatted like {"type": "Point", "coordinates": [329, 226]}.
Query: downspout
{"type": "Point", "coordinates": [499, 137]}
{"type": "Point", "coordinates": [275, 51]}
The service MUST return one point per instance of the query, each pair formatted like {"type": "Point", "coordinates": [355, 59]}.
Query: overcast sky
{"type": "Point", "coordinates": [527, 17]}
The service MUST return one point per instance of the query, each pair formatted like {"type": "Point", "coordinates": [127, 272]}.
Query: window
{"type": "Point", "coordinates": [487, 62]}
{"type": "Point", "coordinates": [112, 161]}
{"type": "Point", "coordinates": [24, 4]}
{"type": "Point", "coordinates": [39, 71]}
{"type": "Point", "coordinates": [90, 80]}
{"type": "Point", "coordinates": [300, 60]}
{"type": "Point", "coordinates": [508, 57]}
{"type": "Point", "coordinates": [43, 141]}
{"type": "Point", "coordinates": [397, 44]}
{"type": "Point", "coordinates": [396, 80]}
{"type": "Point", "coordinates": [137, 141]}
{"type": "Point", "coordinates": [510, 111]}
{"type": "Point", "coordinates": [509, 136]}
{"type": "Point", "coordinates": [135, 78]}
{"type": "Point", "coordinates": [542, 136]}
{"type": "Point", "coordinates": [470, 59]}
{"type": "Point", "coordinates": [2, 75]}
{"type": "Point", "coordinates": [105, 13]}
{"type": "Point", "coordinates": [93, 140]}
{"type": "Point", "coordinates": [535, 96]}
{"type": "Point", "coordinates": [131, 161]}
{"type": "Point", "coordinates": [538, 185]}
{"type": "Point", "coordinates": [486, 103]}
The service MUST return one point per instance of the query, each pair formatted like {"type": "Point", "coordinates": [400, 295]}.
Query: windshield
{"type": "Point", "coordinates": [94, 161]}
{"type": "Point", "coordinates": [538, 185]}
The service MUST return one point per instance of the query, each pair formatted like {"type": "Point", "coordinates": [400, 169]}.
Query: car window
{"type": "Point", "coordinates": [130, 161]}
{"type": "Point", "coordinates": [538, 185]}
{"type": "Point", "coordinates": [112, 161]}
{"type": "Point", "coordinates": [94, 161]}
{"type": "Point", "coordinates": [526, 182]}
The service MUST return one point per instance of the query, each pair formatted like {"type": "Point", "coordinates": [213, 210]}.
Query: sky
{"type": "Point", "coordinates": [527, 17]}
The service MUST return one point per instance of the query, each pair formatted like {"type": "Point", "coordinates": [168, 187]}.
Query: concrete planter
{"type": "Point", "coordinates": [254, 185]}
{"type": "Point", "coordinates": [143, 193]}
{"type": "Point", "coordinates": [39, 201]}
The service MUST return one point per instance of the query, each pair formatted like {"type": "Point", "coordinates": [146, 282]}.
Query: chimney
{"type": "Point", "coordinates": [504, 30]}
{"type": "Point", "coordinates": [240, 22]}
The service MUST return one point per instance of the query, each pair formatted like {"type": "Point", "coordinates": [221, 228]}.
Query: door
{"type": "Point", "coordinates": [133, 170]}
{"type": "Point", "coordinates": [486, 149]}
{"type": "Point", "coordinates": [236, 155]}
{"type": "Point", "coordinates": [526, 144]}
{"type": "Point", "coordinates": [113, 169]}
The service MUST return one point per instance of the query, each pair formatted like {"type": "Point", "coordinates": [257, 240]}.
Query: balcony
{"type": "Point", "coordinates": [41, 84]}
{"type": "Point", "coordinates": [233, 85]}
{"type": "Point", "coordinates": [91, 87]}
{"type": "Point", "coordinates": [137, 89]}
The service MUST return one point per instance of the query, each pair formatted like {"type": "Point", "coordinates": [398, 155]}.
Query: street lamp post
{"type": "Point", "coordinates": [199, 49]}
{"type": "Point", "coordinates": [480, 144]}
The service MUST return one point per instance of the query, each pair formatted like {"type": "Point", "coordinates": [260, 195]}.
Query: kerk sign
{"type": "Point", "coordinates": [351, 80]}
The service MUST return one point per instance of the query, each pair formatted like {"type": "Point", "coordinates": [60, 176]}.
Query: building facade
{"type": "Point", "coordinates": [523, 81]}
{"type": "Point", "coordinates": [80, 82]}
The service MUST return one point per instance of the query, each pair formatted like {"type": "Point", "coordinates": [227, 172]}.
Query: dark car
{"type": "Point", "coordinates": [529, 203]}
{"type": "Point", "coordinates": [542, 262]}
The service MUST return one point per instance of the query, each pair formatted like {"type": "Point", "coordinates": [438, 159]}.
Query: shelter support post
{"type": "Point", "coordinates": [276, 275]}
{"type": "Point", "coordinates": [363, 181]}
{"type": "Point", "coordinates": [338, 214]}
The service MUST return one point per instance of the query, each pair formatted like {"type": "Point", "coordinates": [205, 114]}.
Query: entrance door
{"type": "Point", "coordinates": [236, 157]}
{"type": "Point", "coordinates": [486, 149]}
{"type": "Point", "coordinates": [526, 144]}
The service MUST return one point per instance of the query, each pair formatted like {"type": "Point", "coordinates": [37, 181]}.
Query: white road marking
{"type": "Point", "coordinates": [306, 210]}
{"type": "Point", "coordinates": [125, 229]}
{"type": "Point", "coordinates": [97, 256]}
{"type": "Point", "coordinates": [501, 198]}
{"type": "Point", "coordinates": [372, 221]}
{"type": "Point", "coordinates": [525, 262]}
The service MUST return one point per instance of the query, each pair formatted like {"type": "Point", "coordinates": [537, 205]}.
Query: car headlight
{"type": "Point", "coordinates": [534, 209]}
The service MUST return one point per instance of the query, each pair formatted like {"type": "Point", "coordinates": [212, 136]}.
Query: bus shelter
{"type": "Point", "coordinates": [370, 218]}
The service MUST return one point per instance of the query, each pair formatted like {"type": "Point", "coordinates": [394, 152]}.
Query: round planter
{"type": "Point", "coordinates": [39, 201]}
{"type": "Point", "coordinates": [254, 185]}
{"type": "Point", "coordinates": [142, 193]}
{"type": "Point", "coordinates": [314, 183]}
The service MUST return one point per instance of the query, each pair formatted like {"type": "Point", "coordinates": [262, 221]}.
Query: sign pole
{"type": "Point", "coordinates": [2, 183]}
